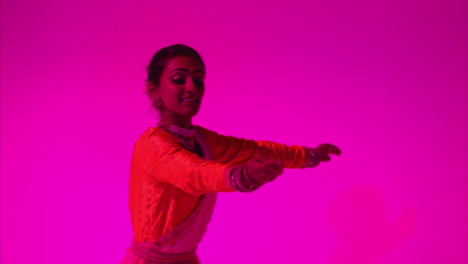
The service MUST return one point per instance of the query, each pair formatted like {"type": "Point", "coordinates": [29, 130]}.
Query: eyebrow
{"type": "Point", "coordinates": [185, 70]}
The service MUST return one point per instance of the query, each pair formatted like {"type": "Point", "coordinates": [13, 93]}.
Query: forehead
{"type": "Point", "coordinates": [185, 63]}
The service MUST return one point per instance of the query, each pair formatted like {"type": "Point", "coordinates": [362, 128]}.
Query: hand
{"type": "Point", "coordinates": [324, 150]}
{"type": "Point", "coordinates": [261, 170]}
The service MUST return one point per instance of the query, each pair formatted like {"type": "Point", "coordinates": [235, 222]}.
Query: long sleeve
{"type": "Point", "coordinates": [236, 151]}
{"type": "Point", "coordinates": [159, 155]}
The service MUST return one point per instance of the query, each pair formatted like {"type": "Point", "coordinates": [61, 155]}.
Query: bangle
{"type": "Point", "coordinates": [238, 174]}
{"type": "Point", "coordinates": [250, 185]}
{"type": "Point", "coordinates": [313, 158]}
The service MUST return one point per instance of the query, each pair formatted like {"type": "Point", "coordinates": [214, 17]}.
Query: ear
{"type": "Point", "coordinates": [151, 89]}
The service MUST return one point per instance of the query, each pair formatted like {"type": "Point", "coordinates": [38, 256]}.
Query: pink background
{"type": "Point", "coordinates": [386, 81]}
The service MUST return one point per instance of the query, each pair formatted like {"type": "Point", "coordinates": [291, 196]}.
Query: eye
{"type": "Point", "coordinates": [198, 83]}
{"type": "Point", "coordinates": [178, 80]}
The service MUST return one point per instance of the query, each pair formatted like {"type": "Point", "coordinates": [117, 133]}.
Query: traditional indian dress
{"type": "Point", "coordinates": [173, 191]}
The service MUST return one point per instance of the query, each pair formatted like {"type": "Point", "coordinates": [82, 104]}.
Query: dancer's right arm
{"type": "Point", "coordinates": [160, 156]}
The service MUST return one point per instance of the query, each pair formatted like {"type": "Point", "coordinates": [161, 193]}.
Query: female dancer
{"type": "Point", "coordinates": [177, 168]}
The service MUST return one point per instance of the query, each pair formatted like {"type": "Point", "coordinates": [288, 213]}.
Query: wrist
{"type": "Point", "coordinates": [313, 158]}
{"type": "Point", "coordinates": [239, 180]}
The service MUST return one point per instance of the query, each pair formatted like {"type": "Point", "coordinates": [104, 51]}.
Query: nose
{"type": "Point", "coordinates": [191, 87]}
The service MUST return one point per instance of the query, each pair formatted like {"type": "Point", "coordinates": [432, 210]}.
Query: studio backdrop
{"type": "Point", "coordinates": [385, 81]}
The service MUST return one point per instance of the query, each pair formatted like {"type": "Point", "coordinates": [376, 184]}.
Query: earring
{"type": "Point", "coordinates": [157, 102]}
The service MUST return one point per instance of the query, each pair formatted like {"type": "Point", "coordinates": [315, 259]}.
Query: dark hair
{"type": "Point", "coordinates": [160, 59]}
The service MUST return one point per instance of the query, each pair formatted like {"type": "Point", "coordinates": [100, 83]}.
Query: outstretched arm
{"type": "Point", "coordinates": [237, 151]}
{"type": "Point", "coordinates": [159, 156]}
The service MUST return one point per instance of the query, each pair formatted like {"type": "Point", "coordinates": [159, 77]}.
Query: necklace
{"type": "Point", "coordinates": [184, 136]}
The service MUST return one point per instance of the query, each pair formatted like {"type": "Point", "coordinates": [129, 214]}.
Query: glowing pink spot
{"type": "Point", "coordinates": [359, 217]}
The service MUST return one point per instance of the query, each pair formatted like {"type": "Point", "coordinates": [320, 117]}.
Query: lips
{"type": "Point", "coordinates": [189, 99]}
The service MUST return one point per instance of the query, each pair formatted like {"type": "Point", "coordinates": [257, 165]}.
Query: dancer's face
{"type": "Point", "coordinates": [181, 88]}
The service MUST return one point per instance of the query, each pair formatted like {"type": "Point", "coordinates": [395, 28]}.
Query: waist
{"type": "Point", "coordinates": [151, 253]}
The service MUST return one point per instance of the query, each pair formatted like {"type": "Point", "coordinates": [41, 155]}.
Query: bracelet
{"type": "Point", "coordinates": [313, 158]}
{"type": "Point", "coordinates": [235, 180]}
{"type": "Point", "coordinates": [239, 173]}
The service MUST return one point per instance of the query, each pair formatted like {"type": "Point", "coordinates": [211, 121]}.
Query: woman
{"type": "Point", "coordinates": [177, 168]}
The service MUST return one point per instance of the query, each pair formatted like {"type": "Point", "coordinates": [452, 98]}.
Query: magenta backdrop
{"type": "Point", "coordinates": [386, 81]}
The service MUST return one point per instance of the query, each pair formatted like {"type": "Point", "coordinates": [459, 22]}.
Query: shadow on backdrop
{"type": "Point", "coordinates": [359, 217]}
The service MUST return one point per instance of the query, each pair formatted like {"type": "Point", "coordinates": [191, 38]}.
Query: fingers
{"type": "Point", "coordinates": [274, 167]}
{"type": "Point", "coordinates": [324, 157]}
{"type": "Point", "coordinates": [270, 170]}
{"type": "Point", "coordinates": [262, 160]}
{"type": "Point", "coordinates": [260, 169]}
{"type": "Point", "coordinates": [334, 150]}
{"type": "Point", "coordinates": [325, 149]}
{"type": "Point", "coordinates": [329, 149]}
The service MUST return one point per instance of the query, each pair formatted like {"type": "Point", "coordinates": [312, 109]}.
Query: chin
{"type": "Point", "coordinates": [193, 112]}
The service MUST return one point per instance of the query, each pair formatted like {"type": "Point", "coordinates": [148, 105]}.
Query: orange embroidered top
{"type": "Point", "coordinates": [167, 180]}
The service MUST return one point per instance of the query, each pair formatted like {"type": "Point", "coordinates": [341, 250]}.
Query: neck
{"type": "Point", "coordinates": [184, 122]}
